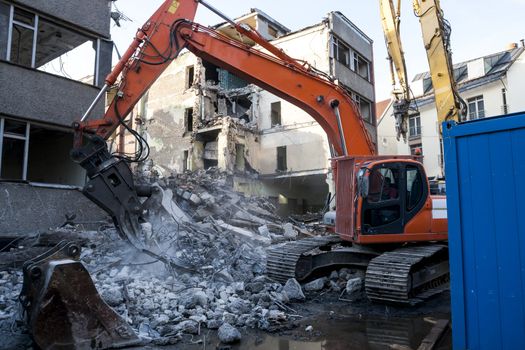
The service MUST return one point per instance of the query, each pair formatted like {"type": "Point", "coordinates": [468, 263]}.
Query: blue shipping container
{"type": "Point", "coordinates": [485, 175]}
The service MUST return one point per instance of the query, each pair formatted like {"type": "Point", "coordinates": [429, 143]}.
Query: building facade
{"type": "Point", "coordinates": [198, 115]}
{"type": "Point", "coordinates": [491, 85]}
{"type": "Point", "coordinates": [47, 49]}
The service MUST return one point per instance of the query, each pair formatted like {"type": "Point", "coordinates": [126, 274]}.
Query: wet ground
{"type": "Point", "coordinates": [338, 325]}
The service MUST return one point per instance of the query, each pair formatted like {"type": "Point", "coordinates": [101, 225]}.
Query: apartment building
{"type": "Point", "coordinates": [198, 115]}
{"type": "Point", "coordinates": [491, 85]}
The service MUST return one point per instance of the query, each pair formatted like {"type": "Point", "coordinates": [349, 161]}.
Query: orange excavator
{"type": "Point", "coordinates": [386, 219]}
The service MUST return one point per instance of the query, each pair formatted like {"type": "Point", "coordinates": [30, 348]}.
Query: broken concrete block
{"type": "Point", "coordinates": [228, 334]}
{"type": "Point", "coordinates": [289, 231]}
{"type": "Point", "coordinates": [186, 195]}
{"type": "Point", "coordinates": [245, 234]}
{"type": "Point", "coordinates": [354, 285]}
{"type": "Point", "coordinates": [112, 296]}
{"type": "Point", "coordinates": [293, 290]}
{"type": "Point", "coordinates": [264, 231]}
{"type": "Point", "coordinates": [195, 199]}
{"type": "Point", "coordinates": [315, 285]}
{"type": "Point", "coordinates": [172, 208]}
{"type": "Point", "coordinates": [334, 275]}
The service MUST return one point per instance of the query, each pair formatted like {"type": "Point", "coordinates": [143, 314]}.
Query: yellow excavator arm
{"type": "Point", "coordinates": [436, 37]}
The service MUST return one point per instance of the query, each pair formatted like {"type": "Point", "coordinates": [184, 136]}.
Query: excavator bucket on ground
{"type": "Point", "coordinates": [62, 307]}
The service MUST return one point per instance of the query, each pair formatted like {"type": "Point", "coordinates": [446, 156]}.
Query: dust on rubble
{"type": "Point", "coordinates": [216, 239]}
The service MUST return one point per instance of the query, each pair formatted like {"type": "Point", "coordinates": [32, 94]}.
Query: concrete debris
{"type": "Point", "coordinates": [229, 334]}
{"type": "Point", "coordinates": [315, 285]}
{"type": "Point", "coordinates": [354, 285]}
{"type": "Point", "coordinates": [289, 231]}
{"type": "Point", "coordinates": [293, 290]}
{"type": "Point", "coordinates": [216, 239]}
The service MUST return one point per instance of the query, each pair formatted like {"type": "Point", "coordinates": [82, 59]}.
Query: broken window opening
{"type": "Point", "coordinates": [281, 159]}
{"type": "Point", "coordinates": [39, 43]}
{"type": "Point", "coordinates": [211, 73]}
{"type": "Point", "coordinates": [185, 159]}
{"type": "Point", "coordinates": [361, 66]}
{"type": "Point", "coordinates": [364, 107]}
{"type": "Point", "coordinates": [188, 119]}
{"type": "Point", "coordinates": [275, 108]}
{"type": "Point", "coordinates": [340, 51]}
{"type": "Point", "coordinates": [239, 107]}
{"type": "Point", "coordinates": [13, 149]}
{"type": "Point", "coordinates": [229, 81]}
{"type": "Point", "coordinates": [210, 155]}
{"type": "Point", "coordinates": [240, 162]}
{"type": "Point", "coordinates": [190, 76]}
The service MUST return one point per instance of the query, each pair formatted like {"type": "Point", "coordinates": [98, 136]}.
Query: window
{"type": "Point", "coordinates": [281, 159]}
{"type": "Point", "coordinates": [414, 126]}
{"type": "Point", "coordinates": [190, 73]}
{"type": "Point", "coordinates": [30, 152]}
{"type": "Point", "coordinates": [185, 159]}
{"type": "Point", "coordinates": [188, 119]}
{"type": "Point", "coordinates": [275, 108]}
{"type": "Point", "coordinates": [364, 107]}
{"type": "Point", "coordinates": [240, 163]}
{"type": "Point", "coordinates": [272, 31]}
{"type": "Point", "coordinates": [360, 66]}
{"type": "Point", "coordinates": [476, 108]}
{"type": "Point", "coordinates": [382, 205]}
{"type": "Point", "coordinates": [414, 187]}
{"type": "Point", "coordinates": [14, 137]}
{"type": "Point", "coordinates": [416, 149]}
{"type": "Point", "coordinates": [36, 42]}
{"type": "Point", "coordinates": [383, 184]}
{"type": "Point", "coordinates": [341, 51]}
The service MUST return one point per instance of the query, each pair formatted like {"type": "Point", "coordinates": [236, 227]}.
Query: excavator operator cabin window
{"type": "Point", "coordinates": [383, 184]}
{"type": "Point", "coordinates": [414, 187]}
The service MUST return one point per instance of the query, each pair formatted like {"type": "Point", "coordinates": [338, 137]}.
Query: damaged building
{"type": "Point", "coordinates": [198, 116]}
{"type": "Point", "coordinates": [47, 50]}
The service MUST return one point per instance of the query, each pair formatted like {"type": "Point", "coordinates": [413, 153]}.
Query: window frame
{"type": "Point", "coordinates": [279, 115]}
{"type": "Point", "coordinates": [24, 138]}
{"type": "Point", "coordinates": [34, 28]}
{"type": "Point", "coordinates": [417, 127]}
{"type": "Point", "coordinates": [476, 100]}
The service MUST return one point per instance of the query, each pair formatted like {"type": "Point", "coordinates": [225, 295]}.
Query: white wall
{"type": "Point", "coordinates": [516, 85]}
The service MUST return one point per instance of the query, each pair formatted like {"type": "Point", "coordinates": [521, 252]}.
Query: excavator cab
{"type": "Point", "coordinates": [395, 194]}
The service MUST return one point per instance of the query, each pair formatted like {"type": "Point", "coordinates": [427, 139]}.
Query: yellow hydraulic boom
{"type": "Point", "coordinates": [436, 37]}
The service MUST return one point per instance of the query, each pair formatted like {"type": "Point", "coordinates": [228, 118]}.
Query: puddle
{"type": "Point", "coordinates": [348, 333]}
{"type": "Point", "coordinates": [351, 333]}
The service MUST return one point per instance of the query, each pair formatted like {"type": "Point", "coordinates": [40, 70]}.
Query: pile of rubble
{"type": "Point", "coordinates": [216, 239]}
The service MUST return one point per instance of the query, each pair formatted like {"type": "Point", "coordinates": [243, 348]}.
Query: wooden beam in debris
{"type": "Point", "coordinates": [434, 335]}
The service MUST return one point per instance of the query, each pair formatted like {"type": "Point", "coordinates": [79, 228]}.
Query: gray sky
{"type": "Point", "coordinates": [479, 27]}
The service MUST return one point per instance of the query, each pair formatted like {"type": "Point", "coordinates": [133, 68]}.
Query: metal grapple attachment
{"type": "Point", "coordinates": [62, 307]}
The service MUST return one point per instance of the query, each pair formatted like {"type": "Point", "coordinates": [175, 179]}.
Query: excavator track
{"type": "Point", "coordinates": [282, 259]}
{"type": "Point", "coordinates": [408, 275]}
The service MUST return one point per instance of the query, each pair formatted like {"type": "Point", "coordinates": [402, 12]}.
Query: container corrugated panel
{"type": "Point", "coordinates": [485, 175]}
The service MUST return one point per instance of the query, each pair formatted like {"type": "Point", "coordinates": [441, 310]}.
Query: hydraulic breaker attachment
{"type": "Point", "coordinates": [62, 307]}
{"type": "Point", "coordinates": [111, 187]}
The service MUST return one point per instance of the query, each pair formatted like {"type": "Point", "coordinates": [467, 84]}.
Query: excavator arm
{"type": "Point", "coordinates": [436, 36]}
{"type": "Point", "coordinates": [156, 44]}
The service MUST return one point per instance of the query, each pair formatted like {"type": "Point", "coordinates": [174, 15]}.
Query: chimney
{"type": "Point", "coordinates": [522, 41]}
